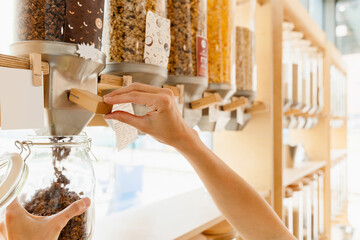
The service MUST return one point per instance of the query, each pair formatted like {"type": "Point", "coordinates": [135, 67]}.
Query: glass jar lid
{"type": "Point", "coordinates": [13, 174]}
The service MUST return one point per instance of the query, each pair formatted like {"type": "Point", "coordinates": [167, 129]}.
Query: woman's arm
{"type": "Point", "coordinates": [245, 209]}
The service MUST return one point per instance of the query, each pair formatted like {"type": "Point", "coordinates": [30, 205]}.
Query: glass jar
{"type": "Point", "coordinates": [71, 21]}
{"type": "Point", "coordinates": [298, 210]}
{"type": "Point", "coordinates": [221, 37]}
{"type": "Point", "coordinates": [297, 69]}
{"type": "Point", "coordinates": [306, 75]}
{"type": "Point", "coordinates": [125, 28]}
{"type": "Point", "coordinates": [314, 185]}
{"type": "Point", "coordinates": [288, 209]}
{"type": "Point", "coordinates": [307, 208]}
{"type": "Point", "coordinates": [188, 29]}
{"type": "Point", "coordinates": [321, 202]}
{"type": "Point", "coordinates": [245, 46]}
{"type": "Point", "coordinates": [60, 173]}
{"type": "Point", "coordinates": [287, 65]}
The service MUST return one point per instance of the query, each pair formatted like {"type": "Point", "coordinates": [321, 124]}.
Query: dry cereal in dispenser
{"type": "Point", "coordinates": [188, 25]}
{"type": "Point", "coordinates": [125, 28]}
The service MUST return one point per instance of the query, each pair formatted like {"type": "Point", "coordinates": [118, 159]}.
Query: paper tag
{"type": "Point", "coordinates": [240, 116]}
{"type": "Point", "coordinates": [222, 121]}
{"type": "Point", "coordinates": [157, 40]}
{"type": "Point", "coordinates": [125, 134]}
{"type": "Point", "coordinates": [88, 51]}
{"type": "Point", "coordinates": [22, 103]}
{"type": "Point", "coordinates": [202, 56]}
{"type": "Point", "coordinates": [213, 113]}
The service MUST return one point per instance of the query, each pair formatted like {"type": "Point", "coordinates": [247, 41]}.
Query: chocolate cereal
{"type": "Point", "coordinates": [188, 20]}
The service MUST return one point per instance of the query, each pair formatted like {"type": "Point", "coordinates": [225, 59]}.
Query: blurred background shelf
{"type": "Point", "coordinates": [292, 175]}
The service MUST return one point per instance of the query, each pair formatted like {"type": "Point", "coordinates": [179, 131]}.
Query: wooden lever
{"type": "Point", "coordinates": [21, 63]}
{"type": "Point", "coordinates": [205, 102]}
{"type": "Point", "coordinates": [257, 106]}
{"type": "Point", "coordinates": [115, 80]}
{"type": "Point", "coordinates": [238, 102]}
{"type": "Point", "coordinates": [89, 101]}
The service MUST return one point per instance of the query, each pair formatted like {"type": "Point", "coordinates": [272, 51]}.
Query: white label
{"type": "Point", "coordinates": [22, 104]}
{"type": "Point", "coordinates": [213, 114]}
{"type": "Point", "coordinates": [157, 40]}
{"type": "Point", "coordinates": [125, 134]}
{"type": "Point", "coordinates": [240, 116]}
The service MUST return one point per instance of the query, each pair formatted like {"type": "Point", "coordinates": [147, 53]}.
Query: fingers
{"type": "Point", "coordinates": [134, 87]}
{"type": "Point", "coordinates": [75, 209]}
{"type": "Point", "coordinates": [136, 97]}
{"type": "Point", "coordinates": [128, 118]}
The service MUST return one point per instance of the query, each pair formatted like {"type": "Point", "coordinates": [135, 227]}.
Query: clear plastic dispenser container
{"type": "Point", "coordinates": [125, 27]}
{"type": "Point", "coordinates": [72, 21]}
{"type": "Point", "coordinates": [297, 70]}
{"type": "Point", "coordinates": [321, 202]}
{"type": "Point", "coordinates": [287, 65]}
{"type": "Point", "coordinates": [221, 37]}
{"type": "Point", "coordinates": [298, 210]}
{"type": "Point", "coordinates": [314, 205]}
{"type": "Point", "coordinates": [313, 57]}
{"type": "Point", "coordinates": [188, 31]}
{"type": "Point", "coordinates": [288, 209]}
{"type": "Point", "coordinates": [245, 47]}
{"type": "Point", "coordinates": [306, 75]}
{"type": "Point", "coordinates": [307, 208]}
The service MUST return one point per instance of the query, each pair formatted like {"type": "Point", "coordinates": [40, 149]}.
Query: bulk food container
{"type": "Point", "coordinates": [188, 51]}
{"type": "Point", "coordinates": [306, 75]}
{"type": "Point", "coordinates": [321, 202]}
{"type": "Point", "coordinates": [287, 65]}
{"type": "Point", "coordinates": [320, 60]}
{"type": "Point", "coordinates": [221, 37]}
{"type": "Point", "coordinates": [313, 57]}
{"type": "Point", "coordinates": [288, 209]}
{"type": "Point", "coordinates": [245, 46]}
{"type": "Point", "coordinates": [314, 185]}
{"type": "Point", "coordinates": [297, 70]}
{"type": "Point", "coordinates": [298, 210]}
{"type": "Point", "coordinates": [57, 172]}
{"type": "Point", "coordinates": [125, 26]}
{"type": "Point", "coordinates": [74, 21]}
{"type": "Point", "coordinates": [306, 191]}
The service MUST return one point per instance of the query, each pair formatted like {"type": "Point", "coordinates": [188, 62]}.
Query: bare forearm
{"type": "Point", "coordinates": [247, 211]}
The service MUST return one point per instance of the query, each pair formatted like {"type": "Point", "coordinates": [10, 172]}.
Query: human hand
{"type": "Point", "coordinates": [164, 122]}
{"type": "Point", "coordinates": [21, 225]}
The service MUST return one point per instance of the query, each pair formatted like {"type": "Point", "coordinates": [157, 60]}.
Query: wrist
{"type": "Point", "coordinates": [187, 140]}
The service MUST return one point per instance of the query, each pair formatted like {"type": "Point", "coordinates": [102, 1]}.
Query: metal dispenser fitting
{"type": "Point", "coordinates": [67, 70]}
{"type": "Point", "coordinates": [194, 88]}
{"type": "Point", "coordinates": [142, 73]}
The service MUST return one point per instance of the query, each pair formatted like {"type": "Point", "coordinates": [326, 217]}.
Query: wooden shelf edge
{"type": "Point", "coordinates": [292, 175]}
{"type": "Point", "coordinates": [295, 12]}
{"type": "Point", "coordinates": [21, 63]}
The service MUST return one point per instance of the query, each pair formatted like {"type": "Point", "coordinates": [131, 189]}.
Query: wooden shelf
{"type": "Point", "coordinates": [295, 12]}
{"type": "Point", "coordinates": [337, 155]}
{"type": "Point", "coordinates": [292, 175]}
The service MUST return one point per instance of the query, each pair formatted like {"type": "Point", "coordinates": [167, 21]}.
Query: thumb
{"type": "Point", "coordinates": [75, 209]}
{"type": "Point", "coordinates": [128, 118]}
